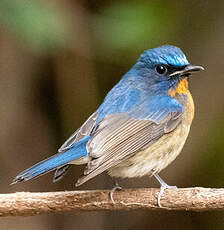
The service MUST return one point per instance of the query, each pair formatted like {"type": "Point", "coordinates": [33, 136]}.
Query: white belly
{"type": "Point", "coordinates": [155, 158]}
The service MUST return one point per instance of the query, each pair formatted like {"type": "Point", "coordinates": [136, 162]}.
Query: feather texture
{"type": "Point", "coordinates": [114, 142]}
{"type": "Point", "coordinates": [83, 131]}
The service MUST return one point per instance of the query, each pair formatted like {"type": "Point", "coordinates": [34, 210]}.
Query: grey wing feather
{"type": "Point", "coordinates": [115, 141]}
{"type": "Point", "coordinates": [172, 123]}
{"type": "Point", "coordinates": [82, 132]}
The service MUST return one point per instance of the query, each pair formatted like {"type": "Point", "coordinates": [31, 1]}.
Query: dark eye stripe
{"type": "Point", "coordinates": [171, 68]}
{"type": "Point", "coordinates": [176, 68]}
{"type": "Point", "coordinates": [168, 69]}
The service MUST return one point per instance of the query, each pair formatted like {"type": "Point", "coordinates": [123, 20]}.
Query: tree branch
{"type": "Point", "coordinates": [27, 204]}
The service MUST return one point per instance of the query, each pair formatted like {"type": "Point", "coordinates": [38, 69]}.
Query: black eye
{"type": "Point", "coordinates": [161, 69]}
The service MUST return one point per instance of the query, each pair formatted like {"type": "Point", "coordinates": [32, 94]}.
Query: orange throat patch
{"type": "Point", "coordinates": [182, 88]}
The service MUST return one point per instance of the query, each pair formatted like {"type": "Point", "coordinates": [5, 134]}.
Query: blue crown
{"type": "Point", "coordinates": [168, 55]}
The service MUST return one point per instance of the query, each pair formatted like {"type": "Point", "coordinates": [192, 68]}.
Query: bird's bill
{"type": "Point", "coordinates": [188, 69]}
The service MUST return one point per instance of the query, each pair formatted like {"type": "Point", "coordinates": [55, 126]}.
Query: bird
{"type": "Point", "coordinates": [138, 130]}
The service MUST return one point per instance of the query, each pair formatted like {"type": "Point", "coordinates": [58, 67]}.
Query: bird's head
{"type": "Point", "coordinates": [165, 69]}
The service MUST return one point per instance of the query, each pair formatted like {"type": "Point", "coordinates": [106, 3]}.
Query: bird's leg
{"type": "Point", "coordinates": [116, 187]}
{"type": "Point", "coordinates": [163, 186]}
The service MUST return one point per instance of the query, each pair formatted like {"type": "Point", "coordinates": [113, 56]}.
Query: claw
{"type": "Point", "coordinates": [163, 187]}
{"type": "Point", "coordinates": [116, 187]}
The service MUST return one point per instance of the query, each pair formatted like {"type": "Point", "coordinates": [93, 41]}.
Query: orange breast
{"type": "Point", "coordinates": [190, 106]}
{"type": "Point", "coordinates": [182, 88]}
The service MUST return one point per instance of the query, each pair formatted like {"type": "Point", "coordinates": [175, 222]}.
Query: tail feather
{"type": "Point", "coordinates": [60, 172]}
{"type": "Point", "coordinates": [51, 163]}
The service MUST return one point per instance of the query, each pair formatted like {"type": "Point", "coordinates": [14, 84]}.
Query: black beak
{"type": "Point", "coordinates": [187, 70]}
{"type": "Point", "coordinates": [192, 68]}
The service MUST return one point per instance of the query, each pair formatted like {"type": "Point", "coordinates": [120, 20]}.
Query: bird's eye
{"type": "Point", "coordinates": [161, 69]}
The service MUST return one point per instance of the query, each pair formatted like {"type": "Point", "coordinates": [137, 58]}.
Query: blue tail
{"type": "Point", "coordinates": [51, 163]}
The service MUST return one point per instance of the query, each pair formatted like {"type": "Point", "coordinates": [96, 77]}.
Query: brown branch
{"type": "Point", "coordinates": [27, 204]}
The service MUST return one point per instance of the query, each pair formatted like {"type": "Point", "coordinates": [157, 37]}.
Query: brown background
{"type": "Point", "coordinates": [57, 61]}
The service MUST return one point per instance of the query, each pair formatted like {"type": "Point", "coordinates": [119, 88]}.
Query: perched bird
{"type": "Point", "coordinates": [140, 127]}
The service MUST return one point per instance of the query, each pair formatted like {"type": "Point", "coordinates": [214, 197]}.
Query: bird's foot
{"type": "Point", "coordinates": [116, 187]}
{"type": "Point", "coordinates": [163, 187]}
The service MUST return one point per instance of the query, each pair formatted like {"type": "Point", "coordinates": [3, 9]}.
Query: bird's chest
{"type": "Point", "coordinates": [160, 154]}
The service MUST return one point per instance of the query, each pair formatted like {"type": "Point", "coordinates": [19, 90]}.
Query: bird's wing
{"type": "Point", "coordinates": [118, 136]}
{"type": "Point", "coordinates": [84, 131]}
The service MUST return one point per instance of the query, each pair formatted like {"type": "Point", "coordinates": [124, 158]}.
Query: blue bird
{"type": "Point", "coordinates": [140, 127]}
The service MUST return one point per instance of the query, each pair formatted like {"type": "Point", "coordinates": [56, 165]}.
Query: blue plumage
{"type": "Point", "coordinates": [57, 160]}
{"type": "Point", "coordinates": [135, 130]}
{"type": "Point", "coordinates": [167, 55]}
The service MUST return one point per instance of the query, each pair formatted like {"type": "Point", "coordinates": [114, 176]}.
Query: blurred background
{"type": "Point", "coordinates": [58, 59]}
